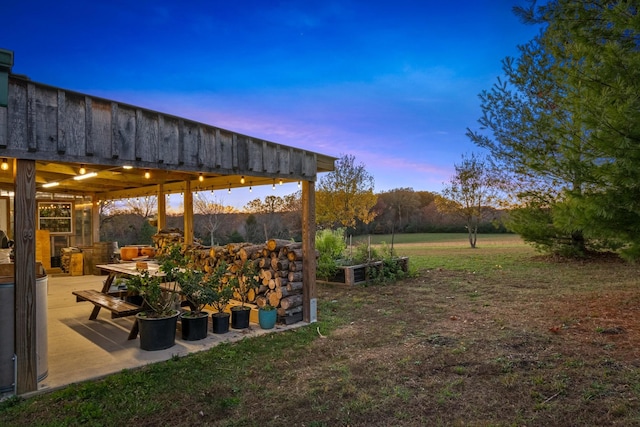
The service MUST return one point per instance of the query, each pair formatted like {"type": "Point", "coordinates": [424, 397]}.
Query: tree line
{"type": "Point", "coordinates": [401, 210]}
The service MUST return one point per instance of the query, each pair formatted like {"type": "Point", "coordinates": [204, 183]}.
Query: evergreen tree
{"type": "Point", "coordinates": [565, 122]}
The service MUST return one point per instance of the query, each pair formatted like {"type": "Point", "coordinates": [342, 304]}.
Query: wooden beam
{"type": "Point", "coordinates": [309, 297]}
{"type": "Point", "coordinates": [188, 213]}
{"type": "Point", "coordinates": [25, 276]}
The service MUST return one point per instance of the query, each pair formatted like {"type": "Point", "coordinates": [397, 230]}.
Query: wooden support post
{"type": "Point", "coordinates": [188, 214]}
{"type": "Point", "coordinates": [95, 220]}
{"type": "Point", "coordinates": [25, 276]}
{"type": "Point", "coordinates": [162, 208]}
{"type": "Point", "coordinates": [309, 302]}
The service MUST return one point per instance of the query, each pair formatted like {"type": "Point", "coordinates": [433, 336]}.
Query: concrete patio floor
{"type": "Point", "coordinates": [80, 349]}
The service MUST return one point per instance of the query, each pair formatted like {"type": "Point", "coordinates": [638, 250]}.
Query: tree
{"type": "Point", "coordinates": [472, 191]}
{"type": "Point", "coordinates": [394, 208]}
{"type": "Point", "coordinates": [212, 210]}
{"type": "Point", "coordinates": [563, 123]}
{"type": "Point", "coordinates": [596, 46]}
{"type": "Point", "coordinates": [345, 195]}
{"type": "Point", "coordinates": [278, 216]}
{"type": "Point", "coordinates": [145, 206]}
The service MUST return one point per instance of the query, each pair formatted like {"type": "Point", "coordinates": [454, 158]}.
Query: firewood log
{"type": "Point", "coordinates": [251, 295]}
{"type": "Point", "coordinates": [249, 252]}
{"type": "Point", "coordinates": [261, 300]}
{"type": "Point", "coordinates": [280, 264]}
{"type": "Point", "coordinates": [294, 254]}
{"type": "Point", "coordinates": [281, 281]}
{"type": "Point", "coordinates": [295, 286]}
{"type": "Point", "coordinates": [264, 262]}
{"type": "Point", "coordinates": [273, 244]}
{"type": "Point", "coordinates": [273, 299]}
{"type": "Point", "coordinates": [291, 301]}
{"type": "Point", "coordinates": [295, 276]}
{"type": "Point", "coordinates": [295, 266]}
{"type": "Point", "coordinates": [282, 312]}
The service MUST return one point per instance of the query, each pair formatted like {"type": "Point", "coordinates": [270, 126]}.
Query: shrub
{"type": "Point", "coordinates": [330, 246]}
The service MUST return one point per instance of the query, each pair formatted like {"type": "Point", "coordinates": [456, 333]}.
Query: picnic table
{"type": "Point", "coordinates": [113, 300]}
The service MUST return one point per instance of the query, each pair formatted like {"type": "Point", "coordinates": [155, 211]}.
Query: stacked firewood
{"type": "Point", "coordinates": [65, 258]}
{"type": "Point", "coordinates": [278, 264]}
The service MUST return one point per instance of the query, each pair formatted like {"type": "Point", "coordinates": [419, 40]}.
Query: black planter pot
{"type": "Point", "coordinates": [240, 318]}
{"type": "Point", "coordinates": [194, 328]}
{"type": "Point", "coordinates": [220, 323]}
{"type": "Point", "coordinates": [157, 333]}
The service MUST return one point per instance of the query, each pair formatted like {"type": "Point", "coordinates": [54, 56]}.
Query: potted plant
{"type": "Point", "coordinates": [157, 323]}
{"type": "Point", "coordinates": [244, 282]}
{"type": "Point", "coordinates": [197, 294]}
{"type": "Point", "coordinates": [221, 287]}
{"type": "Point", "coordinates": [267, 316]}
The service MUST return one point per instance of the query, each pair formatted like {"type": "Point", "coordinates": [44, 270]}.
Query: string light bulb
{"type": "Point", "coordinates": [242, 179]}
{"type": "Point", "coordinates": [273, 187]}
{"type": "Point", "coordinates": [250, 189]}
{"type": "Point", "coordinates": [229, 190]}
{"type": "Point", "coordinates": [200, 178]}
{"type": "Point", "coordinates": [147, 174]}
{"type": "Point", "coordinates": [298, 184]}
{"type": "Point", "coordinates": [280, 181]}
{"type": "Point", "coordinates": [82, 170]}
{"type": "Point", "coordinates": [5, 165]}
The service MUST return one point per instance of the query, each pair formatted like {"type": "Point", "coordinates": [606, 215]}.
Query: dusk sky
{"type": "Point", "coordinates": [393, 83]}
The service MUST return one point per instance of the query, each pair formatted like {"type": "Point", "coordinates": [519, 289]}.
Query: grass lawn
{"type": "Point", "coordinates": [496, 336]}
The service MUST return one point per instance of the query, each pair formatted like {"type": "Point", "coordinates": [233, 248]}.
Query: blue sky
{"type": "Point", "coordinates": [394, 83]}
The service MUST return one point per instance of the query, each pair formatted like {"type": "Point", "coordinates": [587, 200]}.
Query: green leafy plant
{"type": "Point", "coordinates": [243, 282]}
{"type": "Point", "coordinates": [195, 290]}
{"type": "Point", "coordinates": [267, 307]}
{"type": "Point", "coordinates": [157, 301]}
{"type": "Point", "coordinates": [330, 246]}
{"type": "Point", "coordinates": [159, 291]}
{"type": "Point", "coordinates": [219, 283]}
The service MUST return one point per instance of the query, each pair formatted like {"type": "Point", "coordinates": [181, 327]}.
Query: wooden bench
{"type": "Point", "coordinates": [117, 306]}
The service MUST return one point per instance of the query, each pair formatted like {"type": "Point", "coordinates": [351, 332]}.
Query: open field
{"type": "Point", "coordinates": [493, 336]}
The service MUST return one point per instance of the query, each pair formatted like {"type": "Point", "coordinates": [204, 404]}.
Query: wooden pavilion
{"type": "Point", "coordinates": [48, 134]}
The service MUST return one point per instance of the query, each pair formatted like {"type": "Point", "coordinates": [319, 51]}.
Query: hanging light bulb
{"type": "Point", "coordinates": [273, 187]}
{"type": "Point", "coordinates": [229, 190]}
{"type": "Point", "coordinates": [298, 184]}
{"type": "Point", "coordinates": [5, 165]}
{"type": "Point", "coordinates": [82, 170]}
{"type": "Point", "coordinates": [242, 179]}
{"type": "Point", "coordinates": [250, 189]}
{"type": "Point", "coordinates": [280, 181]}
{"type": "Point", "coordinates": [200, 178]}
{"type": "Point", "coordinates": [147, 174]}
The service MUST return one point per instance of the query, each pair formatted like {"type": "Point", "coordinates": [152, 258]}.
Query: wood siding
{"type": "Point", "coordinates": [47, 123]}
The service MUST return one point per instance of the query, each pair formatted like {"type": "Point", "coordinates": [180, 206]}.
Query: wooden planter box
{"type": "Point", "coordinates": [357, 274]}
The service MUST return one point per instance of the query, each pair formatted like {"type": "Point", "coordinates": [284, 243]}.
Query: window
{"type": "Point", "coordinates": [57, 217]}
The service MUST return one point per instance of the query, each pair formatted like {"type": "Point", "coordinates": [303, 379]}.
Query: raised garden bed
{"type": "Point", "coordinates": [358, 274]}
